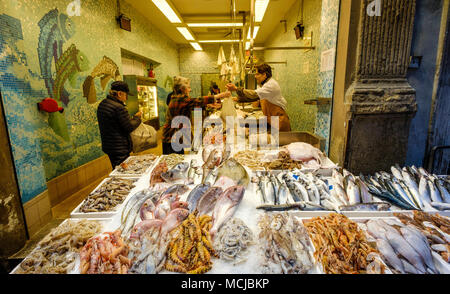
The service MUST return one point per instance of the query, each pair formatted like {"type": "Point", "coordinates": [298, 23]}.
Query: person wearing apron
{"type": "Point", "coordinates": [269, 94]}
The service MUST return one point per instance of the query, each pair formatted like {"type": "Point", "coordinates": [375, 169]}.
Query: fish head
{"type": "Point", "coordinates": [182, 166]}
{"type": "Point", "coordinates": [180, 213]}
{"type": "Point", "coordinates": [67, 26]}
{"type": "Point", "coordinates": [235, 193]}
{"type": "Point", "coordinates": [82, 61]}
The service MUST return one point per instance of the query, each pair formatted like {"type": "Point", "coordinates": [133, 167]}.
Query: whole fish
{"type": "Point", "coordinates": [195, 195]}
{"type": "Point", "coordinates": [178, 189]}
{"type": "Point", "coordinates": [144, 226]}
{"type": "Point", "coordinates": [390, 256]}
{"type": "Point", "coordinates": [402, 193]}
{"type": "Point", "coordinates": [337, 177]}
{"type": "Point", "coordinates": [208, 200]}
{"type": "Point", "coordinates": [173, 220]}
{"type": "Point", "coordinates": [365, 195]}
{"type": "Point", "coordinates": [443, 191]}
{"type": "Point", "coordinates": [409, 268]}
{"type": "Point", "coordinates": [380, 206]}
{"type": "Point", "coordinates": [396, 172]}
{"type": "Point", "coordinates": [268, 189]}
{"type": "Point", "coordinates": [419, 246]}
{"type": "Point", "coordinates": [432, 226]}
{"type": "Point", "coordinates": [164, 205]}
{"type": "Point", "coordinates": [442, 266]}
{"type": "Point", "coordinates": [313, 193]}
{"type": "Point", "coordinates": [305, 206]}
{"type": "Point", "coordinates": [275, 186]}
{"type": "Point", "coordinates": [192, 169]}
{"type": "Point", "coordinates": [377, 231]}
{"type": "Point", "coordinates": [338, 191]}
{"type": "Point", "coordinates": [413, 188]}
{"type": "Point", "coordinates": [224, 182]}
{"type": "Point", "coordinates": [423, 189]}
{"type": "Point", "coordinates": [178, 172]}
{"type": "Point", "coordinates": [225, 206]}
{"type": "Point", "coordinates": [404, 249]}
{"type": "Point", "coordinates": [440, 205]}
{"type": "Point", "coordinates": [146, 211]}
{"type": "Point", "coordinates": [283, 194]}
{"type": "Point", "coordinates": [234, 170]}
{"type": "Point", "coordinates": [353, 193]}
{"type": "Point", "coordinates": [434, 193]}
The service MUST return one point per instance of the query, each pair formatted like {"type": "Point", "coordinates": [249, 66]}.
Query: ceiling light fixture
{"type": "Point", "coordinates": [247, 45]}
{"type": "Point", "coordinates": [186, 34]}
{"type": "Point", "coordinates": [224, 24]}
{"type": "Point", "coordinates": [260, 9]}
{"type": "Point", "coordinates": [255, 32]}
{"type": "Point", "coordinates": [218, 41]}
{"type": "Point", "coordinates": [167, 10]}
{"type": "Point", "coordinates": [196, 46]}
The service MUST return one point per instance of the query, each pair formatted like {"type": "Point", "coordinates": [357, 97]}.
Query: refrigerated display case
{"type": "Point", "coordinates": [145, 98]}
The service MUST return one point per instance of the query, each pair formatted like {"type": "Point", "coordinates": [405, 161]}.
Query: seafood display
{"type": "Point", "coordinates": [136, 165]}
{"type": "Point", "coordinates": [283, 162]}
{"type": "Point", "coordinates": [342, 247]}
{"type": "Point", "coordinates": [172, 159]}
{"type": "Point", "coordinates": [251, 159]}
{"type": "Point", "coordinates": [306, 191]}
{"type": "Point", "coordinates": [436, 230]}
{"type": "Point", "coordinates": [233, 240]}
{"type": "Point", "coordinates": [285, 244]}
{"type": "Point", "coordinates": [411, 188]}
{"type": "Point", "coordinates": [110, 194]}
{"type": "Point", "coordinates": [190, 250]}
{"type": "Point", "coordinates": [403, 248]}
{"type": "Point", "coordinates": [105, 254]}
{"type": "Point", "coordinates": [57, 252]}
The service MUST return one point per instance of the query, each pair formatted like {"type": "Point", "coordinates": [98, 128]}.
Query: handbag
{"type": "Point", "coordinates": [143, 138]}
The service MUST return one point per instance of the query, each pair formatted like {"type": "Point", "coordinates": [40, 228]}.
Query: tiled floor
{"type": "Point", "coordinates": [62, 210]}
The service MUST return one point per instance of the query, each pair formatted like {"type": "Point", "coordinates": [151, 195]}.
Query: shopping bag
{"type": "Point", "coordinates": [143, 138]}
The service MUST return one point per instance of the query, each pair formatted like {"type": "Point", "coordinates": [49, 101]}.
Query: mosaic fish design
{"type": "Point", "coordinates": [55, 28]}
{"type": "Point", "coordinates": [106, 69]}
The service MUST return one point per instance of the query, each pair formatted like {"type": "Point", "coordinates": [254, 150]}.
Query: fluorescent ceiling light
{"type": "Point", "coordinates": [223, 24]}
{"type": "Point", "coordinates": [255, 32]}
{"type": "Point", "coordinates": [185, 32]}
{"type": "Point", "coordinates": [196, 46]}
{"type": "Point", "coordinates": [260, 9]}
{"type": "Point", "coordinates": [247, 45]}
{"type": "Point", "coordinates": [167, 10]}
{"type": "Point", "coordinates": [219, 41]}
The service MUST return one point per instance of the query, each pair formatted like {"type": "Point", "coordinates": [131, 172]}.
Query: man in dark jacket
{"type": "Point", "coordinates": [116, 124]}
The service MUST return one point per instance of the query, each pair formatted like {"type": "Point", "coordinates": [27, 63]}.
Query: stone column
{"type": "Point", "coordinates": [12, 225]}
{"type": "Point", "coordinates": [380, 103]}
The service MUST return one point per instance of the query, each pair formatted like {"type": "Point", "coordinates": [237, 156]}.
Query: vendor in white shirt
{"type": "Point", "coordinates": [269, 93]}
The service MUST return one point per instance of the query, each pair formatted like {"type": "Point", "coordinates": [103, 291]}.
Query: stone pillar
{"type": "Point", "coordinates": [380, 103]}
{"type": "Point", "coordinates": [12, 225]}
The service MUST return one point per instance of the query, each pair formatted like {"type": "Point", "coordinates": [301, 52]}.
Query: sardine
{"type": "Point", "coordinates": [396, 172]}
{"type": "Point", "coordinates": [443, 191]}
{"type": "Point", "coordinates": [196, 194]}
{"type": "Point", "coordinates": [403, 248]}
{"type": "Point", "coordinates": [413, 188]}
{"type": "Point", "coordinates": [225, 206]}
{"type": "Point", "coordinates": [390, 256]}
{"type": "Point", "coordinates": [207, 202]}
{"type": "Point", "coordinates": [423, 189]}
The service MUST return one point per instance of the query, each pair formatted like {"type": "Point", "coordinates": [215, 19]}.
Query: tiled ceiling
{"type": "Point", "coordinates": [212, 11]}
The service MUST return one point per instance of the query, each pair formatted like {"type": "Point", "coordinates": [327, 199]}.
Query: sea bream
{"type": "Point", "coordinates": [196, 194]}
{"type": "Point", "coordinates": [207, 202]}
{"type": "Point", "coordinates": [178, 172]}
{"type": "Point", "coordinates": [173, 220]}
{"type": "Point", "coordinates": [225, 206]}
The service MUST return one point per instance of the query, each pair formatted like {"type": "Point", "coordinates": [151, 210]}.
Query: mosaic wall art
{"type": "Point", "coordinates": [72, 59]}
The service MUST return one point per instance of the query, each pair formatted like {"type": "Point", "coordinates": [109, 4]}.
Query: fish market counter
{"type": "Point", "coordinates": [219, 213]}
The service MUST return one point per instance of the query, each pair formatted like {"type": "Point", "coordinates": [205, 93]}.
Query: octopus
{"type": "Point", "coordinates": [285, 244]}
{"type": "Point", "coordinates": [190, 249]}
{"type": "Point", "coordinates": [233, 240]}
{"type": "Point", "coordinates": [341, 246]}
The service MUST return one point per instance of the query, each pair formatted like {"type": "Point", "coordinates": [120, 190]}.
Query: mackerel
{"type": "Point", "coordinates": [443, 191]}
{"type": "Point", "coordinates": [434, 193]}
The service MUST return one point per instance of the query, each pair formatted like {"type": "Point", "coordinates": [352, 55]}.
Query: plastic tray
{"type": "Point", "coordinates": [76, 213]}
{"type": "Point", "coordinates": [116, 173]}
